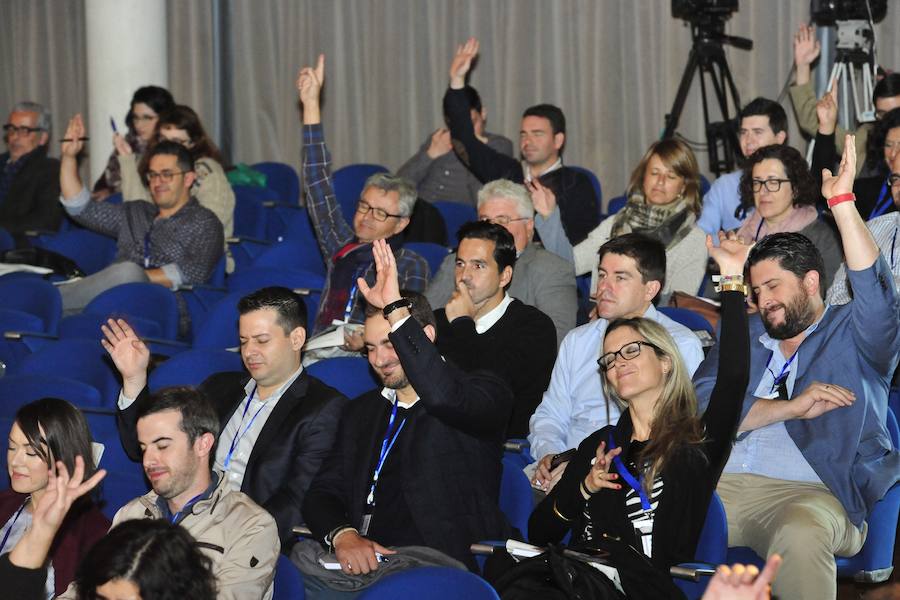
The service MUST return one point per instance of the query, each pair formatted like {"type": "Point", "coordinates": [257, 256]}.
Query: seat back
{"type": "Point", "coordinates": [348, 184]}
{"type": "Point", "coordinates": [124, 479]}
{"type": "Point", "coordinates": [292, 223]}
{"type": "Point", "coordinates": [6, 240]}
{"type": "Point", "coordinates": [434, 254]}
{"type": "Point", "coordinates": [220, 327]}
{"type": "Point", "coordinates": [249, 212]}
{"type": "Point", "coordinates": [34, 296]}
{"type": "Point", "coordinates": [516, 494]}
{"type": "Point", "coordinates": [441, 583]}
{"type": "Point", "coordinates": [18, 390]}
{"type": "Point", "coordinates": [77, 359]}
{"type": "Point", "coordinates": [91, 251]}
{"type": "Point", "coordinates": [350, 375]}
{"type": "Point", "coordinates": [193, 367]}
{"type": "Point", "coordinates": [292, 254]}
{"type": "Point", "coordinates": [288, 581]}
{"type": "Point", "coordinates": [595, 182]}
{"type": "Point", "coordinates": [282, 179]}
{"type": "Point", "coordinates": [688, 318]}
{"type": "Point", "coordinates": [455, 215]}
{"type": "Point", "coordinates": [615, 205]}
{"type": "Point", "coordinates": [143, 300]}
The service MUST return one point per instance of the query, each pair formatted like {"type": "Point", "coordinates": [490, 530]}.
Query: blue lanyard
{"type": "Point", "coordinates": [177, 516]}
{"type": "Point", "coordinates": [893, 240]}
{"type": "Point", "coordinates": [784, 370]}
{"type": "Point", "coordinates": [386, 444]}
{"type": "Point", "coordinates": [350, 297]}
{"type": "Point", "coordinates": [884, 202]}
{"type": "Point", "coordinates": [636, 484]}
{"type": "Point", "coordinates": [147, 248]}
{"type": "Point", "coordinates": [240, 434]}
{"type": "Point", "coordinates": [15, 518]}
{"type": "Point", "coordinates": [758, 229]}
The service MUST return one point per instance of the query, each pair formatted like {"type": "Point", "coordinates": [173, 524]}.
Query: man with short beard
{"type": "Point", "coordinates": [813, 454]}
{"type": "Point", "coordinates": [417, 463]}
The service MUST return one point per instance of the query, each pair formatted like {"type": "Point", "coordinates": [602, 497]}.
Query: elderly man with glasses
{"type": "Point", "coordinates": [171, 241]}
{"type": "Point", "coordinates": [383, 212]}
{"type": "Point", "coordinates": [29, 185]}
{"type": "Point", "coordinates": [542, 279]}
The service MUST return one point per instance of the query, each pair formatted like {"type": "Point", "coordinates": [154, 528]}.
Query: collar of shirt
{"type": "Point", "coordinates": [274, 397]}
{"type": "Point", "coordinates": [487, 320]}
{"type": "Point", "coordinates": [772, 344]}
{"type": "Point", "coordinates": [391, 396]}
{"type": "Point", "coordinates": [527, 171]}
{"type": "Point", "coordinates": [163, 505]}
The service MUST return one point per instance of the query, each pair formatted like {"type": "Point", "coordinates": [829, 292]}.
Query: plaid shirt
{"type": "Point", "coordinates": [333, 232]}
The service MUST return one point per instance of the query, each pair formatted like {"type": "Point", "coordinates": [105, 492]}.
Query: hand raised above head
{"type": "Point", "coordinates": [387, 283]}
{"type": "Point", "coordinates": [827, 110]}
{"type": "Point", "coordinates": [806, 45]}
{"type": "Point", "coordinates": [310, 81]}
{"type": "Point", "coordinates": [462, 63]}
{"type": "Point", "coordinates": [542, 197]}
{"type": "Point", "coordinates": [128, 352]}
{"type": "Point", "coordinates": [123, 148]}
{"type": "Point", "coordinates": [731, 253]}
{"type": "Point", "coordinates": [74, 132]}
{"type": "Point", "coordinates": [842, 183]}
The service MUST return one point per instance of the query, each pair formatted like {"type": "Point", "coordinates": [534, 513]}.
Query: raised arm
{"type": "Point", "coordinates": [70, 184]}
{"type": "Point", "coordinates": [860, 250]}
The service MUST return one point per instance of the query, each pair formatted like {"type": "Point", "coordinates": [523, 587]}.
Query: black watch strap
{"type": "Point", "coordinates": [401, 303]}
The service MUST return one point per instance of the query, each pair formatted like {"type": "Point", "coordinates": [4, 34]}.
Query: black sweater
{"type": "Point", "coordinates": [689, 477]}
{"type": "Point", "coordinates": [578, 203]}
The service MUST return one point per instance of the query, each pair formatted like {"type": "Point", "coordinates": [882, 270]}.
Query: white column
{"type": "Point", "coordinates": [127, 47]}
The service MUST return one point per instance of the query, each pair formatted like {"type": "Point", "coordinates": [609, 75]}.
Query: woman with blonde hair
{"type": "Point", "coordinates": [663, 201]}
{"type": "Point", "coordinates": [648, 479]}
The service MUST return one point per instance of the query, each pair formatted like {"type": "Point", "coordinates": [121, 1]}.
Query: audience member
{"type": "Point", "coordinates": [436, 169]}
{"type": "Point", "coordinates": [211, 187]}
{"type": "Point", "coordinates": [647, 480]}
{"type": "Point", "coordinates": [541, 141]}
{"type": "Point", "coordinates": [170, 241]}
{"type": "Point", "coordinates": [417, 463]}
{"type": "Point", "coordinates": [149, 559]}
{"type": "Point", "coordinates": [884, 232]}
{"type": "Point", "coordinates": [277, 425]}
{"type": "Point", "coordinates": [885, 96]}
{"type": "Point", "coordinates": [777, 182]}
{"type": "Point", "coordinates": [44, 432]}
{"type": "Point", "coordinates": [813, 454]}
{"type": "Point", "coordinates": [631, 273]}
{"type": "Point", "coordinates": [147, 104]}
{"type": "Point", "coordinates": [29, 181]}
{"type": "Point", "coordinates": [483, 327]}
{"type": "Point", "coordinates": [383, 212]}
{"type": "Point", "coordinates": [541, 278]}
{"type": "Point", "coordinates": [763, 122]}
{"type": "Point", "coordinates": [663, 202]}
{"type": "Point", "coordinates": [24, 569]}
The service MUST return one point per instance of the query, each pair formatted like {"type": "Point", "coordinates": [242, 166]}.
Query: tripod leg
{"type": "Point", "coordinates": [683, 88]}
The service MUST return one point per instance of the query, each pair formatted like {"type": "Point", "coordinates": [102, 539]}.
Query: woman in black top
{"type": "Point", "coordinates": [672, 457]}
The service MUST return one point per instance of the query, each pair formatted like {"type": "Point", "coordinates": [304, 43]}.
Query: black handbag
{"type": "Point", "coordinates": [41, 257]}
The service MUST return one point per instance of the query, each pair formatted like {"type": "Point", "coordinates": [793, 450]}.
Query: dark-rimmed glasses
{"type": "Point", "coordinates": [773, 185]}
{"type": "Point", "coordinates": [10, 129]}
{"type": "Point", "coordinates": [502, 220]}
{"type": "Point", "coordinates": [627, 352]}
{"type": "Point", "coordinates": [379, 213]}
{"type": "Point", "coordinates": [164, 176]}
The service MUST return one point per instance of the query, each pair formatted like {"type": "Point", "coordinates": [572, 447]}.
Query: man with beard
{"type": "Point", "coordinates": [812, 454]}
{"type": "Point", "coordinates": [417, 463]}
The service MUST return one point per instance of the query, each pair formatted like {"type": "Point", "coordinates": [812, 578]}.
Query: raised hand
{"type": "Point", "coordinates": [441, 143]}
{"type": "Point", "coordinates": [842, 183]}
{"type": "Point", "coordinates": [123, 148]}
{"type": "Point", "coordinates": [62, 491]}
{"type": "Point", "coordinates": [806, 45]}
{"type": "Point", "coordinates": [820, 398]}
{"type": "Point", "coordinates": [387, 283]}
{"type": "Point", "coordinates": [460, 303]}
{"type": "Point", "coordinates": [462, 63]}
{"type": "Point", "coordinates": [543, 198]}
{"type": "Point", "coordinates": [310, 81]}
{"type": "Point", "coordinates": [740, 582]}
{"type": "Point", "coordinates": [130, 355]}
{"type": "Point", "coordinates": [599, 476]}
{"type": "Point", "coordinates": [827, 110]}
{"type": "Point", "coordinates": [74, 131]}
{"type": "Point", "coordinates": [731, 254]}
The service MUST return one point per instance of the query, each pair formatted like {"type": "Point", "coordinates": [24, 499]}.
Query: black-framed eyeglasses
{"type": "Point", "coordinates": [627, 352]}
{"type": "Point", "coordinates": [144, 117]}
{"type": "Point", "coordinates": [773, 185]}
{"type": "Point", "coordinates": [502, 220]}
{"type": "Point", "coordinates": [9, 129]}
{"type": "Point", "coordinates": [379, 213]}
{"type": "Point", "coordinates": [894, 179]}
{"type": "Point", "coordinates": [164, 176]}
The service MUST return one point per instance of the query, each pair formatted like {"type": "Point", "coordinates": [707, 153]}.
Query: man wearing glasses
{"type": "Point", "coordinates": [171, 241]}
{"type": "Point", "coordinates": [29, 185]}
{"type": "Point", "coordinates": [383, 212]}
{"type": "Point", "coordinates": [542, 279]}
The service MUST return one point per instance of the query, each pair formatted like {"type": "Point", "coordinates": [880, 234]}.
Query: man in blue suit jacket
{"type": "Point", "coordinates": [813, 454]}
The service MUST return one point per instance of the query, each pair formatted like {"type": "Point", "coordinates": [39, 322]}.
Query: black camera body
{"type": "Point", "coordinates": [828, 12]}
{"type": "Point", "coordinates": [698, 10]}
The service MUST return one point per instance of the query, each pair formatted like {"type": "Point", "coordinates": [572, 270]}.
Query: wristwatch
{"type": "Point", "coordinates": [401, 303]}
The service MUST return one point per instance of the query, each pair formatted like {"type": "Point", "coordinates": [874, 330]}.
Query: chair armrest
{"type": "Point", "coordinates": [692, 571]}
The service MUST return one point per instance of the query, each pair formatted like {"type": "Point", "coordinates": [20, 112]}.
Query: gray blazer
{"type": "Point", "coordinates": [540, 278]}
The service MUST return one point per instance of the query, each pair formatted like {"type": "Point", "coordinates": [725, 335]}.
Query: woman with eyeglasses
{"type": "Point", "coordinates": [43, 433]}
{"type": "Point", "coordinates": [778, 185]}
{"type": "Point", "coordinates": [147, 104]}
{"type": "Point", "coordinates": [211, 187]}
{"type": "Point", "coordinates": [647, 480]}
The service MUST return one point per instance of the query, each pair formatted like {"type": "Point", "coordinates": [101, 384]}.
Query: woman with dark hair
{"type": "Point", "coordinates": [44, 432]}
{"type": "Point", "coordinates": [663, 202]}
{"type": "Point", "coordinates": [146, 559]}
{"type": "Point", "coordinates": [147, 104]}
{"type": "Point", "coordinates": [778, 184]}
{"type": "Point", "coordinates": [211, 187]}
{"type": "Point", "coordinates": [647, 480]}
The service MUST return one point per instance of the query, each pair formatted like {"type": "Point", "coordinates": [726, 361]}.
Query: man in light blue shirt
{"type": "Point", "coordinates": [763, 123]}
{"type": "Point", "coordinates": [632, 271]}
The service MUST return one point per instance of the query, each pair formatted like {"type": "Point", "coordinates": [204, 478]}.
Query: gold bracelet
{"type": "Point", "coordinates": [734, 287]}
{"type": "Point", "coordinates": [559, 514]}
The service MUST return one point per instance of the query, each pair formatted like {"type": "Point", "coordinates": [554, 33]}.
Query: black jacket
{"type": "Point", "coordinates": [578, 203]}
{"type": "Point", "coordinates": [689, 477]}
{"type": "Point", "coordinates": [520, 347]}
{"type": "Point", "coordinates": [450, 447]}
{"type": "Point", "coordinates": [33, 198]}
{"type": "Point", "coordinates": [289, 450]}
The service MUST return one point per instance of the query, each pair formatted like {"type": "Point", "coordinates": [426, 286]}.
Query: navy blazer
{"type": "Point", "coordinates": [855, 346]}
{"type": "Point", "coordinates": [289, 450]}
{"type": "Point", "coordinates": [451, 453]}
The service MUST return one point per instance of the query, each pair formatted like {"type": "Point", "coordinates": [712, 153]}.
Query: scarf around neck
{"type": "Point", "coordinates": [799, 218]}
{"type": "Point", "coordinates": [668, 223]}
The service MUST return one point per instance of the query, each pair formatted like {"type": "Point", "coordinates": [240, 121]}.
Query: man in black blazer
{"type": "Point", "coordinates": [277, 425]}
{"type": "Point", "coordinates": [29, 179]}
{"type": "Point", "coordinates": [434, 436]}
